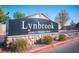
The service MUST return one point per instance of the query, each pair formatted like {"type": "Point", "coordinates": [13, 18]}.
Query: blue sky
{"type": "Point", "coordinates": [50, 10]}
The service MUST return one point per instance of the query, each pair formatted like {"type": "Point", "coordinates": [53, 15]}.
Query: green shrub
{"type": "Point", "coordinates": [47, 39]}
{"type": "Point", "coordinates": [19, 44]}
{"type": "Point", "coordinates": [62, 37]}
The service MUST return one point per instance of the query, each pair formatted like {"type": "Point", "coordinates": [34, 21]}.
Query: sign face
{"type": "Point", "coordinates": [31, 26]}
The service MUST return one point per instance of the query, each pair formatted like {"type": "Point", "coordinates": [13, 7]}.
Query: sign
{"type": "Point", "coordinates": [31, 26]}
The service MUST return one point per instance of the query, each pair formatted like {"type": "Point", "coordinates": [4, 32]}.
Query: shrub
{"type": "Point", "coordinates": [47, 39]}
{"type": "Point", "coordinates": [1, 44]}
{"type": "Point", "coordinates": [62, 37]}
{"type": "Point", "coordinates": [19, 44]}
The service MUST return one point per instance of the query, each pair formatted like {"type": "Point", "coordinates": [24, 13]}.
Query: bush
{"type": "Point", "coordinates": [19, 44]}
{"type": "Point", "coordinates": [1, 44]}
{"type": "Point", "coordinates": [62, 37]}
{"type": "Point", "coordinates": [46, 39]}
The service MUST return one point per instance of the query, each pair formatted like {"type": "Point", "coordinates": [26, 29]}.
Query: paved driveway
{"type": "Point", "coordinates": [72, 47]}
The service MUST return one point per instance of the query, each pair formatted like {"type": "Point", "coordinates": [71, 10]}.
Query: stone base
{"type": "Point", "coordinates": [32, 38]}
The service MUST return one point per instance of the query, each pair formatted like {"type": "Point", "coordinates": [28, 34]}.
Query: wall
{"type": "Point", "coordinates": [2, 29]}
{"type": "Point", "coordinates": [32, 38]}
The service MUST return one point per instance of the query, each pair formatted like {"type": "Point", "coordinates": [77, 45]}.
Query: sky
{"type": "Point", "coordinates": [50, 10]}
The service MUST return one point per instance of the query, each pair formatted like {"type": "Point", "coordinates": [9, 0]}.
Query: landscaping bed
{"type": "Point", "coordinates": [21, 45]}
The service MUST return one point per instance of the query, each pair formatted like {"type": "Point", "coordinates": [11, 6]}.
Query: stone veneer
{"type": "Point", "coordinates": [32, 37]}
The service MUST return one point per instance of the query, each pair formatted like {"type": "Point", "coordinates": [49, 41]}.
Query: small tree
{"type": "Point", "coordinates": [3, 16]}
{"type": "Point", "coordinates": [18, 15]}
{"type": "Point", "coordinates": [62, 18]}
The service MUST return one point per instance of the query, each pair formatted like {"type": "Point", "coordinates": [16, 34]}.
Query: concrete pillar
{"type": "Point", "coordinates": [2, 29]}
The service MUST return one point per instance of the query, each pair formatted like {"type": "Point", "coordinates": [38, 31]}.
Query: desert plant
{"type": "Point", "coordinates": [62, 37]}
{"type": "Point", "coordinates": [47, 39]}
{"type": "Point", "coordinates": [18, 45]}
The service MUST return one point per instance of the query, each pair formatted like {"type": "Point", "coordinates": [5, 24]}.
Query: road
{"type": "Point", "coordinates": [72, 47]}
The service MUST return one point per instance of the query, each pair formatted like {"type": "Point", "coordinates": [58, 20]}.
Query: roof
{"type": "Point", "coordinates": [39, 15]}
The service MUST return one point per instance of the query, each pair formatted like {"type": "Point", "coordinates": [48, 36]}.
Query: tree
{"type": "Point", "coordinates": [77, 25]}
{"type": "Point", "coordinates": [62, 18]}
{"type": "Point", "coordinates": [3, 16]}
{"type": "Point", "coordinates": [6, 18]}
{"type": "Point", "coordinates": [72, 24]}
{"type": "Point", "coordinates": [18, 15]}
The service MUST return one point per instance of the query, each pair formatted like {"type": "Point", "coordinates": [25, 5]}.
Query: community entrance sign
{"type": "Point", "coordinates": [31, 26]}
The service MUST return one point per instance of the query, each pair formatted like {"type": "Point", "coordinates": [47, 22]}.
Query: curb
{"type": "Point", "coordinates": [2, 34]}
{"type": "Point", "coordinates": [52, 46]}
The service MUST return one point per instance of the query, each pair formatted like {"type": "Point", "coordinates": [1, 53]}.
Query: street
{"type": "Point", "coordinates": [72, 47]}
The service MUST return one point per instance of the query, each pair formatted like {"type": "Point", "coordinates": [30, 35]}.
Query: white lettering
{"type": "Point", "coordinates": [38, 25]}
{"type": "Point", "coordinates": [29, 26]}
{"type": "Point", "coordinates": [23, 23]}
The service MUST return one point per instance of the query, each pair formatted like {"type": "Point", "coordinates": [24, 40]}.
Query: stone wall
{"type": "Point", "coordinates": [32, 38]}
